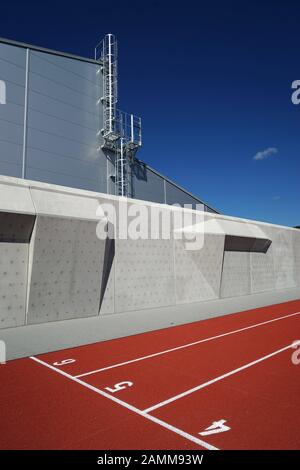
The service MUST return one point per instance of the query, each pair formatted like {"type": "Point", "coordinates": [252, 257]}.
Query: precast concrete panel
{"type": "Point", "coordinates": [262, 266]}
{"type": "Point", "coordinates": [284, 263]}
{"type": "Point", "coordinates": [144, 274]}
{"type": "Point", "coordinates": [66, 270]}
{"type": "Point", "coordinates": [15, 196]}
{"type": "Point", "coordinates": [107, 298]}
{"type": "Point", "coordinates": [13, 284]}
{"type": "Point", "coordinates": [262, 272]}
{"type": "Point", "coordinates": [296, 247]}
{"type": "Point", "coordinates": [198, 272]}
{"type": "Point", "coordinates": [235, 274]}
{"type": "Point", "coordinates": [144, 268]}
{"type": "Point", "coordinates": [107, 290]}
{"type": "Point", "coordinates": [62, 203]}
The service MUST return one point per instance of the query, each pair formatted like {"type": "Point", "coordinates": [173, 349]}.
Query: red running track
{"type": "Point", "coordinates": [231, 382]}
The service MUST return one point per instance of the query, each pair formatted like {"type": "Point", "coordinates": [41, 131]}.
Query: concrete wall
{"type": "Point", "coordinates": [55, 270]}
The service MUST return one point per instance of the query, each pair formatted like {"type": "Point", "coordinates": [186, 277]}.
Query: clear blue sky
{"type": "Point", "coordinates": [212, 82]}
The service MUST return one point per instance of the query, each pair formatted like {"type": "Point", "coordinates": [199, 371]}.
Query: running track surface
{"type": "Point", "coordinates": [224, 383]}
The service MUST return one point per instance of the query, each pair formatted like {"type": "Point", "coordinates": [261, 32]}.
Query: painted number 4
{"type": "Point", "coordinates": [215, 428]}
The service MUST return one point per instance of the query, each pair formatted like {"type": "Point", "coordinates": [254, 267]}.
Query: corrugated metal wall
{"type": "Point", "coordinates": [49, 126]}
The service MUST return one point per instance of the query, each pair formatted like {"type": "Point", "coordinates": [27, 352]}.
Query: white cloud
{"type": "Point", "coordinates": [263, 154]}
{"type": "Point", "coordinates": [276, 198]}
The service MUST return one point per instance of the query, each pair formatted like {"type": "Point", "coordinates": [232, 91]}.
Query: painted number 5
{"type": "Point", "coordinates": [119, 386]}
{"type": "Point", "coordinates": [215, 428]}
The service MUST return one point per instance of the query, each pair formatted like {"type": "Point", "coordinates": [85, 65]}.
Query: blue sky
{"type": "Point", "coordinates": [212, 82]}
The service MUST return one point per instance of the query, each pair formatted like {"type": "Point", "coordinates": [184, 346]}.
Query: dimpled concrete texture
{"type": "Point", "coordinates": [13, 284]}
{"type": "Point", "coordinates": [262, 266]}
{"type": "Point", "coordinates": [284, 261]}
{"type": "Point", "coordinates": [296, 247]}
{"type": "Point", "coordinates": [198, 272]}
{"type": "Point", "coordinates": [66, 270]}
{"type": "Point", "coordinates": [16, 222]}
{"type": "Point", "coordinates": [107, 306]}
{"type": "Point", "coordinates": [144, 268]}
{"type": "Point", "coordinates": [236, 274]}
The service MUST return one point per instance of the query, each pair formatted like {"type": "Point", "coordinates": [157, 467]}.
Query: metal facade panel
{"type": "Point", "coordinates": [147, 185]}
{"type": "Point", "coordinates": [64, 118]}
{"type": "Point", "coordinates": [12, 67]}
{"type": "Point", "coordinates": [175, 195]}
{"type": "Point", "coordinates": [13, 63]}
{"type": "Point", "coordinates": [10, 157]}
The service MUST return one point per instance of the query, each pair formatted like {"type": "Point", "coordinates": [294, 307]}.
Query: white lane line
{"type": "Point", "coordinates": [217, 379]}
{"type": "Point", "coordinates": [158, 421]}
{"type": "Point", "coordinates": [188, 345]}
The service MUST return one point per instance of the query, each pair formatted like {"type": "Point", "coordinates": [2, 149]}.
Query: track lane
{"type": "Point", "coordinates": [107, 353]}
{"type": "Point", "coordinates": [260, 405]}
{"type": "Point", "coordinates": [40, 409]}
{"type": "Point", "coordinates": [160, 378]}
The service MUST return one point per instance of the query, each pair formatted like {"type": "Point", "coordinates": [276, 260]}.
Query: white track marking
{"type": "Point", "coordinates": [155, 420]}
{"type": "Point", "coordinates": [215, 428]}
{"type": "Point", "coordinates": [217, 379]}
{"type": "Point", "coordinates": [118, 387]}
{"type": "Point", "coordinates": [188, 345]}
{"type": "Point", "coordinates": [64, 362]}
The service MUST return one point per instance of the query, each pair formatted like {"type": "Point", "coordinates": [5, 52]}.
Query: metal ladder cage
{"type": "Point", "coordinates": [129, 128]}
{"type": "Point", "coordinates": [122, 132]}
{"type": "Point", "coordinates": [130, 132]}
{"type": "Point", "coordinates": [122, 170]}
{"type": "Point", "coordinates": [107, 52]}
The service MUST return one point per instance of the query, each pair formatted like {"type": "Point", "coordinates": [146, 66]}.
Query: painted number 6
{"type": "Point", "coordinates": [64, 362]}
{"type": "Point", "coordinates": [215, 428]}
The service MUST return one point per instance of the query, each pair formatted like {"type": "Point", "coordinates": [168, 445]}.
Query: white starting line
{"type": "Point", "coordinates": [144, 414]}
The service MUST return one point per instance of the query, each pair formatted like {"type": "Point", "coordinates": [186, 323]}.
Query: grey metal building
{"type": "Point", "coordinates": [60, 125]}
